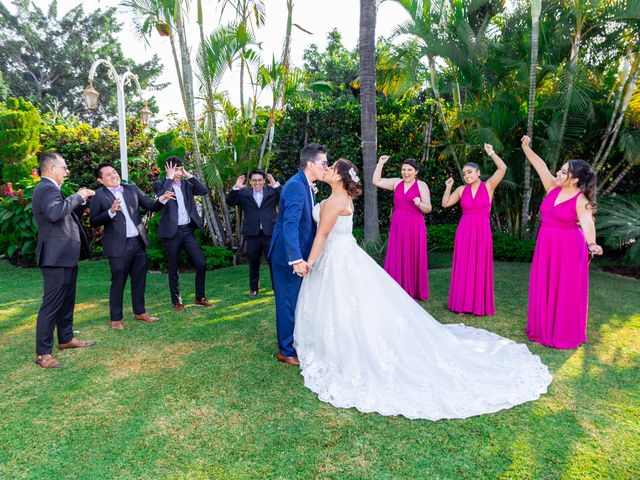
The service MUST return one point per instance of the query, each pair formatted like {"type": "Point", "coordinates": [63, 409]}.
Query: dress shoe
{"type": "Point", "coordinates": [203, 302]}
{"type": "Point", "coordinates": [178, 307]}
{"type": "Point", "coordinates": [145, 317]}
{"type": "Point", "coordinates": [288, 360]}
{"type": "Point", "coordinates": [75, 343]}
{"type": "Point", "coordinates": [117, 325]}
{"type": "Point", "coordinates": [252, 293]}
{"type": "Point", "coordinates": [47, 361]}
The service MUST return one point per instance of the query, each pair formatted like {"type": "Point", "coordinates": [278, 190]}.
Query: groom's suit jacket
{"type": "Point", "coordinates": [294, 231]}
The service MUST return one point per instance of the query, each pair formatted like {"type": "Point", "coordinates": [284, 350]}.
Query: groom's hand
{"type": "Point", "coordinates": [301, 268]}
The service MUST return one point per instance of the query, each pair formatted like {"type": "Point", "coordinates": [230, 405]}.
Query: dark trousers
{"type": "Point", "coordinates": [256, 246]}
{"type": "Point", "coordinates": [58, 302]}
{"type": "Point", "coordinates": [184, 239]}
{"type": "Point", "coordinates": [133, 263]}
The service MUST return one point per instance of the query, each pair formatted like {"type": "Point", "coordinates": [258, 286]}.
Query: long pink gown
{"type": "Point", "coordinates": [471, 288]}
{"type": "Point", "coordinates": [406, 259]}
{"type": "Point", "coordinates": [559, 282]}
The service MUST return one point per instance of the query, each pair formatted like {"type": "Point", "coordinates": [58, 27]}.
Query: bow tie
{"type": "Point", "coordinates": [117, 189]}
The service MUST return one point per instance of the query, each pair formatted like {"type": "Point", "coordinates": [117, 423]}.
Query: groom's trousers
{"type": "Point", "coordinates": [286, 286]}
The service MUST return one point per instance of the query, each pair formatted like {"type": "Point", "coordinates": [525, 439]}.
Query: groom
{"type": "Point", "coordinates": [291, 244]}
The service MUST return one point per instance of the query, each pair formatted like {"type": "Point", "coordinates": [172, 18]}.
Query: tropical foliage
{"type": "Point", "coordinates": [45, 57]}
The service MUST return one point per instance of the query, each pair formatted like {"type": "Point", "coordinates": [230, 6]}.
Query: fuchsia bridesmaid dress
{"type": "Point", "coordinates": [406, 259]}
{"type": "Point", "coordinates": [559, 282]}
{"type": "Point", "coordinates": [471, 288]}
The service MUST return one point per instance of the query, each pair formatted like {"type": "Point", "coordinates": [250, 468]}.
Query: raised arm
{"type": "Point", "coordinates": [547, 178]}
{"type": "Point", "coordinates": [450, 199]}
{"type": "Point", "coordinates": [330, 210]}
{"type": "Point", "coordinates": [384, 183]}
{"type": "Point", "coordinates": [500, 172]}
{"type": "Point", "coordinates": [424, 202]}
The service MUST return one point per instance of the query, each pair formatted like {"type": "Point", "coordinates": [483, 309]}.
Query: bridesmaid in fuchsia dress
{"type": "Point", "coordinates": [471, 288]}
{"type": "Point", "coordinates": [559, 281]}
{"type": "Point", "coordinates": [406, 259]}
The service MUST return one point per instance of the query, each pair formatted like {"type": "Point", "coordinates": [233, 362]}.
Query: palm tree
{"type": "Point", "coordinates": [536, 7]}
{"type": "Point", "coordinates": [170, 14]}
{"type": "Point", "coordinates": [251, 15]}
{"type": "Point", "coordinates": [368, 116]}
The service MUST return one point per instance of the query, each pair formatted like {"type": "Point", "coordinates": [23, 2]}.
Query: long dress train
{"type": "Point", "coordinates": [364, 343]}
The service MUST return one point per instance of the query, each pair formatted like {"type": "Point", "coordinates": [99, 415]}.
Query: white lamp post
{"type": "Point", "coordinates": [90, 96]}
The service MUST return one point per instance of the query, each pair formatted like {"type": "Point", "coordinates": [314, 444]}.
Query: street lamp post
{"type": "Point", "coordinates": [90, 96]}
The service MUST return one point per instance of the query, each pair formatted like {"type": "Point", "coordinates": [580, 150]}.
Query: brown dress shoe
{"type": "Point", "coordinates": [203, 302]}
{"type": "Point", "coordinates": [178, 307]}
{"type": "Point", "coordinates": [75, 343]}
{"type": "Point", "coordinates": [117, 325]}
{"type": "Point", "coordinates": [252, 293]}
{"type": "Point", "coordinates": [288, 360]}
{"type": "Point", "coordinates": [145, 317]}
{"type": "Point", "coordinates": [47, 361]}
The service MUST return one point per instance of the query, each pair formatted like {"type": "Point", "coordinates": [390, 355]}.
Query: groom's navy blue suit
{"type": "Point", "coordinates": [292, 240]}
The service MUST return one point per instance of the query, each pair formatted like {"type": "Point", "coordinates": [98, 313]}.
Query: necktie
{"type": "Point", "coordinates": [118, 189]}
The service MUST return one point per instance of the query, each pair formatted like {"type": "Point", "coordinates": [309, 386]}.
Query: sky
{"type": "Point", "coordinates": [317, 16]}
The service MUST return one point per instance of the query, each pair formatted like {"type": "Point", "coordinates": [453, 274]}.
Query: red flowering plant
{"type": "Point", "coordinates": [18, 232]}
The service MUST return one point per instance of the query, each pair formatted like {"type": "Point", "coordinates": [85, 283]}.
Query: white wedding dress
{"type": "Point", "coordinates": [364, 343]}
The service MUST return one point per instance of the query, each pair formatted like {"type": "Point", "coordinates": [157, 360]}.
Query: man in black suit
{"type": "Point", "coordinates": [117, 208]}
{"type": "Point", "coordinates": [258, 204]}
{"type": "Point", "coordinates": [61, 243]}
{"type": "Point", "coordinates": [177, 223]}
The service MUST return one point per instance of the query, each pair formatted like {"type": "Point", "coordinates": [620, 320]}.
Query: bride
{"type": "Point", "coordinates": [364, 343]}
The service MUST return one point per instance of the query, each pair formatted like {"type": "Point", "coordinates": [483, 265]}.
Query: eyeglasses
{"type": "Point", "coordinates": [64, 167]}
{"type": "Point", "coordinates": [257, 180]}
{"type": "Point", "coordinates": [324, 163]}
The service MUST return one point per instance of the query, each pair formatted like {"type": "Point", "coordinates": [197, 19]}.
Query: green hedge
{"type": "Point", "coordinates": [441, 237]}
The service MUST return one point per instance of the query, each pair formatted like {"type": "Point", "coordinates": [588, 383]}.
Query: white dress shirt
{"type": "Point", "coordinates": [183, 215]}
{"type": "Point", "coordinates": [132, 231]}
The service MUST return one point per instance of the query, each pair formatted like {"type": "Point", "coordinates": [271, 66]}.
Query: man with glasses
{"type": "Point", "coordinates": [291, 244]}
{"type": "Point", "coordinates": [259, 214]}
{"type": "Point", "coordinates": [61, 243]}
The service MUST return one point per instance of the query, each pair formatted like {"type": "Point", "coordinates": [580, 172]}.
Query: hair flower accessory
{"type": "Point", "coordinates": [314, 188]}
{"type": "Point", "coordinates": [352, 174]}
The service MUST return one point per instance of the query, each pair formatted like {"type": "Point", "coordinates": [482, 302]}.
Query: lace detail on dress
{"type": "Point", "coordinates": [364, 343]}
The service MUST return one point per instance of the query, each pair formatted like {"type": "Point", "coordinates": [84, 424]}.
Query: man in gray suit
{"type": "Point", "coordinates": [61, 241]}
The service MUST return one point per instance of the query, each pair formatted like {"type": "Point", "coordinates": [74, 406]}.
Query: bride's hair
{"type": "Point", "coordinates": [349, 175]}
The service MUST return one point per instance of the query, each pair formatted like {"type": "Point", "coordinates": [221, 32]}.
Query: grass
{"type": "Point", "coordinates": [200, 395]}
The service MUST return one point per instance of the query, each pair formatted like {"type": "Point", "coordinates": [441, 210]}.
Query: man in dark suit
{"type": "Point", "coordinates": [177, 223]}
{"type": "Point", "coordinates": [117, 208]}
{"type": "Point", "coordinates": [259, 213]}
{"type": "Point", "coordinates": [61, 243]}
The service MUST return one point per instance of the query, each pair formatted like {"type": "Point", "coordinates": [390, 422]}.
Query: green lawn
{"type": "Point", "coordinates": [200, 395]}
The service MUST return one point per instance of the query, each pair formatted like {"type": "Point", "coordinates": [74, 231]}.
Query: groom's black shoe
{"type": "Point", "coordinates": [288, 360]}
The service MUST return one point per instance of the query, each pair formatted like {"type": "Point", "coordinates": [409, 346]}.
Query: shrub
{"type": "Point", "coordinates": [18, 230]}
{"type": "Point", "coordinates": [441, 237]}
{"type": "Point", "coordinates": [512, 249]}
{"type": "Point", "coordinates": [19, 139]}
{"type": "Point", "coordinates": [84, 147]}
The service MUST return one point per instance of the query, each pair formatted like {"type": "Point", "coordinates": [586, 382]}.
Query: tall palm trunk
{"type": "Point", "coordinates": [219, 233]}
{"type": "Point", "coordinates": [188, 97]}
{"type": "Point", "coordinates": [536, 6]}
{"type": "Point", "coordinates": [624, 76]}
{"type": "Point", "coordinates": [617, 180]}
{"type": "Point", "coordinates": [571, 74]}
{"type": "Point", "coordinates": [368, 116]}
{"type": "Point", "coordinates": [623, 109]}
